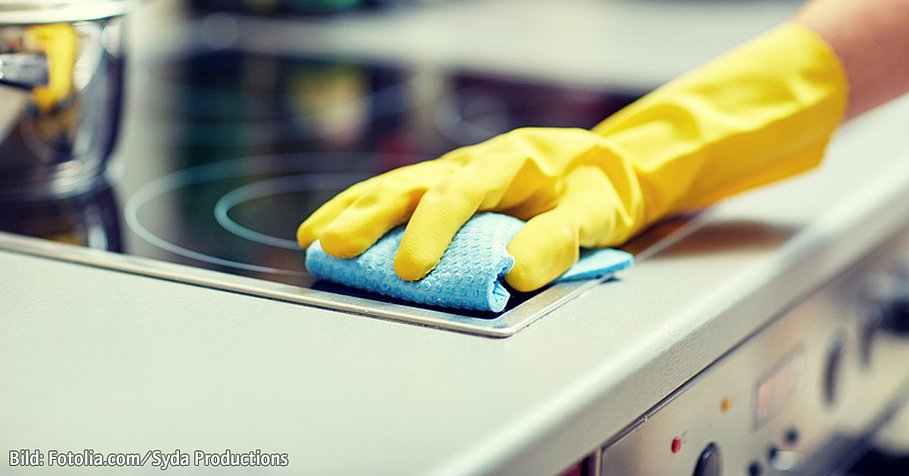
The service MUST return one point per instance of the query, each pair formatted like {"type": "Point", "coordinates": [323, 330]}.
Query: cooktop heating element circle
{"type": "Point", "coordinates": [270, 187]}
{"type": "Point", "coordinates": [264, 177]}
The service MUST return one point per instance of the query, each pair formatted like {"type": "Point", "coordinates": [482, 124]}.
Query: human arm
{"type": "Point", "coordinates": [871, 38]}
{"type": "Point", "coordinates": [762, 112]}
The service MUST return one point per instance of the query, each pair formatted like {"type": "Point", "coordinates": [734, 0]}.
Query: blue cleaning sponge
{"type": "Point", "coordinates": [468, 275]}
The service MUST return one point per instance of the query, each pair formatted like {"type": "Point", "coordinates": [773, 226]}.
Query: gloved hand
{"type": "Point", "coordinates": [761, 113]}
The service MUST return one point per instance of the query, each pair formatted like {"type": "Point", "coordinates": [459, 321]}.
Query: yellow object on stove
{"type": "Point", "coordinates": [59, 43]}
{"type": "Point", "coordinates": [762, 112]}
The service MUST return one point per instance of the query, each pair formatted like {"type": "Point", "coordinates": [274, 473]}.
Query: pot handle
{"type": "Point", "coordinates": [42, 61]}
{"type": "Point", "coordinates": [23, 70]}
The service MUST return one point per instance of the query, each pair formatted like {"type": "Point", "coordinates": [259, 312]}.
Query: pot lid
{"type": "Point", "coordinates": [52, 11]}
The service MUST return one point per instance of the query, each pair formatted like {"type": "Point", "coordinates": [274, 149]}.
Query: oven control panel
{"type": "Point", "coordinates": [801, 396]}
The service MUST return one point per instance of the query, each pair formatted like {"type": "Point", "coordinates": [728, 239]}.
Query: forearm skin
{"type": "Point", "coordinates": [871, 38]}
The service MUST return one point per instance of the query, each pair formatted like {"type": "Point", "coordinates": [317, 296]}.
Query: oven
{"type": "Point", "coordinates": [806, 394]}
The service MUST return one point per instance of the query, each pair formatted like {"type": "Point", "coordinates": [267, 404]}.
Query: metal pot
{"type": "Point", "coordinates": [61, 85]}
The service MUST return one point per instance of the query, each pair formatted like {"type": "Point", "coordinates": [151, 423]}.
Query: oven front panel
{"type": "Point", "coordinates": [802, 396]}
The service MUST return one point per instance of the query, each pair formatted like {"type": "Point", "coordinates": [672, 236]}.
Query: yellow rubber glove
{"type": "Point", "coordinates": [761, 113]}
{"type": "Point", "coordinates": [59, 43]}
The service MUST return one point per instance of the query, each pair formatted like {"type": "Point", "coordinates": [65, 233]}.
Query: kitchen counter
{"type": "Point", "coordinates": [93, 358]}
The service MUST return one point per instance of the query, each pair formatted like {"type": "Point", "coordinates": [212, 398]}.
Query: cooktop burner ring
{"type": "Point", "coordinates": [270, 187]}
{"type": "Point", "coordinates": [279, 165]}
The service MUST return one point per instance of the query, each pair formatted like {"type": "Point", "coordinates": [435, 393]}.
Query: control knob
{"type": "Point", "coordinates": [710, 463]}
{"type": "Point", "coordinates": [896, 311]}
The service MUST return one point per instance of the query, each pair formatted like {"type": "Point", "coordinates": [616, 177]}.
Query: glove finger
{"type": "Point", "coordinates": [606, 215]}
{"type": "Point", "coordinates": [544, 248]}
{"type": "Point", "coordinates": [445, 208]}
{"type": "Point", "coordinates": [434, 223]}
{"type": "Point", "coordinates": [369, 197]}
{"type": "Point", "coordinates": [548, 244]}
{"type": "Point", "coordinates": [369, 218]}
{"type": "Point", "coordinates": [592, 200]}
{"type": "Point", "coordinates": [312, 227]}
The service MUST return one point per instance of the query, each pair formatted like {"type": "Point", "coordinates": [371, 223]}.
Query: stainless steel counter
{"type": "Point", "coordinates": [107, 360]}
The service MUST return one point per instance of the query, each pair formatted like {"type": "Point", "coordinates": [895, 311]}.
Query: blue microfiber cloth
{"type": "Point", "coordinates": [468, 275]}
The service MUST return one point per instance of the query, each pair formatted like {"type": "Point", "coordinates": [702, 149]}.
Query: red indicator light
{"type": "Point", "coordinates": [676, 445]}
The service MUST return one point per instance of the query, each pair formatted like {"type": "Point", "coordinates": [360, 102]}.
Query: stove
{"type": "Point", "coordinates": [765, 335]}
{"type": "Point", "coordinates": [226, 151]}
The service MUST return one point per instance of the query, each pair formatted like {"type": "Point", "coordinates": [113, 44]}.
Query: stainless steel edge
{"type": "Point", "coordinates": [504, 325]}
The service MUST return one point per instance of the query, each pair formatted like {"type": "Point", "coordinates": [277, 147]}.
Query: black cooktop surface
{"type": "Point", "coordinates": [225, 152]}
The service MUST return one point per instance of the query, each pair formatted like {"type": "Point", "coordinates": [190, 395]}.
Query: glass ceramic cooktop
{"type": "Point", "coordinates": [224, 152]}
